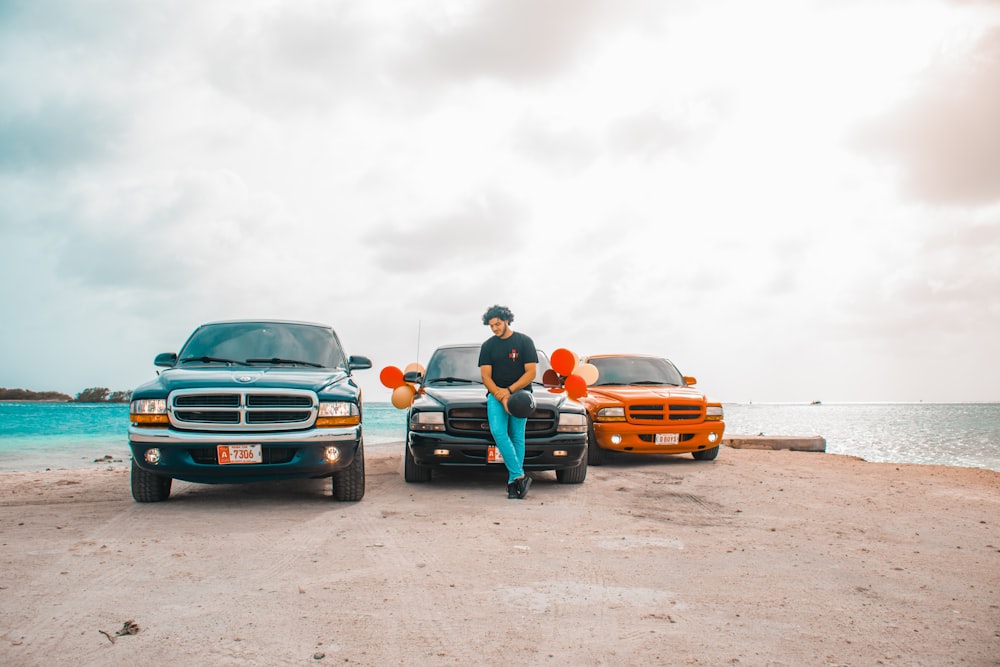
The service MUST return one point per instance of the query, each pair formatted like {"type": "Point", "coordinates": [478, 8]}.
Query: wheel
{"type": "Point", "coordinates": [413, 472]}
{"type": "Point", "coordinates": [595, 455]}
{"type": "Point", "coordinates": [706, 454]}
{"type": "Point", "coordinates": [349, 483]}
{"type": "Point", "coordinates": [147, 487]}
{"type": "Point", "coordinates": [574, 475]}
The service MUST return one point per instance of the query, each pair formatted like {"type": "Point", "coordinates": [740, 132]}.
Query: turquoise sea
{"type": "Point", "coordinates": [36, 436]}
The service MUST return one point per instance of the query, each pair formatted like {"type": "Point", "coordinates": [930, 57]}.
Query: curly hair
{"type": "Point", "coordinates": [503, 312]}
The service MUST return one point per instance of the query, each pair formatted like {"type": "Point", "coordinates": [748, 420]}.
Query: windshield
{"type": "Point", "coordinates": [265, 343]}
{"type": "Point", "coordinates": [461, 365]}
{"type": "Point", "coordinates": [636, 370]}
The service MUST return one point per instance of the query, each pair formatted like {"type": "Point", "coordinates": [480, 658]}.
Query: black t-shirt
{"type": "Point", "coordinates": [507, 357]}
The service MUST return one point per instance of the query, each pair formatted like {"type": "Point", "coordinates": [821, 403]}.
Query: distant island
{"type": "Point", "coordinates": [89, 395]}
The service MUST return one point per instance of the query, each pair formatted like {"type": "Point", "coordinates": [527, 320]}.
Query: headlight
{"type": "Point", "coordinates": [713, 413]}
{"type": "Point", "coordinates": [149, 412]}
{"type": "Point", "coordinates": [338, 409]}
{"type": "Point", "coordinates": [338, 413]}
{"type": "Point", "coordinates": [571, 422]}
{"type": "Point", "coordinates": [427, 421]}
{"type": "Point", "coordinates": [614, 414]}
{"type": "Point", "coordinates": [149, 406]}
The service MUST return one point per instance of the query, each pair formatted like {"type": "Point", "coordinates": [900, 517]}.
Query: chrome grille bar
{"type": "Point", "coordinates": [251, 409]}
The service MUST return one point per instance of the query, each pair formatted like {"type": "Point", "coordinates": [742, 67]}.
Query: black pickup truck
{"type": "Point", "coordinates": [447, 424]}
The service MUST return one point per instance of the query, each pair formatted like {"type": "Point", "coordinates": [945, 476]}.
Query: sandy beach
{"type": "Point", "coordinates": [758, 558]}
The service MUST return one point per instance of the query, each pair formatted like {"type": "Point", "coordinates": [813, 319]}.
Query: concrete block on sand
{"type": "Point", "coordinates": [810, 443]}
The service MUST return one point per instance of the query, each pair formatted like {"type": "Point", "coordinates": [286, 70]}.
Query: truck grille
{"type": "Point", "coordinates": [247, 410]}
{"type": "Point", "coordinates": [473, 420]}
{"type": "Point", "coordinates": [662, 413]}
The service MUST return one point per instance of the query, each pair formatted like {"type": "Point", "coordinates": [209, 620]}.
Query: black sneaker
{"type": "Point", "coordinates": [512, 491]}
{"type": "Point", "coordinates": [522, 486]}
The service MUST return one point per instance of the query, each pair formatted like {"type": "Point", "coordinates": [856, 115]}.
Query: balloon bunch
{"type": "Point", "coordinates": [569, 375]}
{"type": "Point", "coordinates": [403, 392]}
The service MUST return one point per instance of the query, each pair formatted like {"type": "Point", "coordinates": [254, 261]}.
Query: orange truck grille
{"type": "Point", "coordinates": [662, 413]}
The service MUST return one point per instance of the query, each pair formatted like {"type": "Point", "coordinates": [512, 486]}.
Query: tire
{"type": "Point", "coordinates": [147, 487]}
{"type": "Point", "coordinates": [574, 475]}
{"type": "Point", "coordinates": [413, 472]}
{"type": "Point", "coordinates": [349, 484]}
{"type": "Point", "coordinates": [595, 455]}
{"type": "Point", "coordinates": [706, 454]}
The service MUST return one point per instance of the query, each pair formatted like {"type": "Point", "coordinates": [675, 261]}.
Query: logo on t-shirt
{"type": "Point", "coordinates": [513, 355]}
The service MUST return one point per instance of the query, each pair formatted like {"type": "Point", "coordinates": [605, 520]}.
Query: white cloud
{"type": "Point", "coordinates": [791, 200]}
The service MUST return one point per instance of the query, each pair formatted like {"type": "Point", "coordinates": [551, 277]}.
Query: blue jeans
{"type": "Point", "coordinates": [508, 433]}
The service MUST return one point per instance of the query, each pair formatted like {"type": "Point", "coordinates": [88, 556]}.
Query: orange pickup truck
{"type": "Point", "coordinates": [642, 404]}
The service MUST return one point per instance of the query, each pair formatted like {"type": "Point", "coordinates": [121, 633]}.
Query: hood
{"type": "Point", "coordinates": [632, 394]}
{"type": "Point", "coordinates": [476, 394]}
{"type": "Point", "coordinates": [315, 379]}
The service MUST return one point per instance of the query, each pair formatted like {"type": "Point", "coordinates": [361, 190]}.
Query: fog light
{"type": "Point", "coordinates": [332, 454]}
{"type": "Point", "coordinates": [152, 455]}
{"type": "Point", "coordinates": [560, 452]}
{"type": "Point", "coordinates": [441, 452]}
{"type": "Point", "coordinates": [712, 437]}
{"type": "Point", "coordinates": [616, 439]}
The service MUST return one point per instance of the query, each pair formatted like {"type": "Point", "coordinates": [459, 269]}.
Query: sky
{"type": "Point", "coordinates": [793, 200]}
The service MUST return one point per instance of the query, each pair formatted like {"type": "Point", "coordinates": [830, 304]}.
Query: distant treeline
{"type": "Point", "coordinates": [89, 395]}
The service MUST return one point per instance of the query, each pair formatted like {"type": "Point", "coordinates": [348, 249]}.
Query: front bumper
{"type": "Point", "coordinates": [192, 456]}
{"type": "Point", "coordinates": [553, 453]}
{"type": "Point", "coordinates": [642, 440]}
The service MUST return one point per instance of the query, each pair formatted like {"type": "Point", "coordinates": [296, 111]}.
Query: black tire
{"type": "Point", "coordinates": [349, 484]}
{"type": "Point", "coordinates": [574, 475]}
{"type": "Point", "coordinates": [413, 472]}
{"type": "Point", "coordinates": [706, 454]}
{"type": "Point", "coordinates": [147, 487]}
{"type": "Point", "coordinates": [595, 455]}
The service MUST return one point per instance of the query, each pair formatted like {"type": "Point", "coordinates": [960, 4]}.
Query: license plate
{"type": "Point", "coordinates": [231, 454]}
{"type": "Point", "coordinates": [666, 439]}
{"type": "Point", "coordinates": [493, 455]}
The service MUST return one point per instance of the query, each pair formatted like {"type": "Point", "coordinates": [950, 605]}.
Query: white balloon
{"type": "Point", "coordinates": [588, 372]}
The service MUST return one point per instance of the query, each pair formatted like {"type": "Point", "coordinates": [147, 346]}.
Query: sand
{"type": "Point", "coordinates": [757, 558]}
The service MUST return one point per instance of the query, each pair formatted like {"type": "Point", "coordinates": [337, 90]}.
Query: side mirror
{"type": "Point", "coordinates": [165, 359]}
{"type": "Point", "coordinates": [358, 363]}
{"type": "Point", "coordinates": [690, 381]}
{"type": "Point", "coordinates": [413, 377]}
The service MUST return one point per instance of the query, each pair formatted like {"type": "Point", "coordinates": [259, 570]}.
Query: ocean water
{"type": "Point", "coordinates": [955, 434]}
{"type": "Point", "coordinates": [36, 436]}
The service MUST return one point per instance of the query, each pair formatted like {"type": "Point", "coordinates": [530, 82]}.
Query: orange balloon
{"type": "Point", "coordinates": [588, 372]}
{"type": "Point", "coordinates": [414, 367]}
{"type": "Point", "coordinates": [563, 361]}
{"type": "Point", "coordinates": [402, 396]}
{"type": "Point", "coordinates": [391, 377]}
{"type": "Point", "coordinates": [576, 387]}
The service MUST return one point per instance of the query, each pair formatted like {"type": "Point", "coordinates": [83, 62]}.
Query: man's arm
{"type": "Point", "coordinates": [530, 370]}
{"type": "Point", "coordinates": [503, 393]}
{"type": "Point", "coordinates": [499, 393]}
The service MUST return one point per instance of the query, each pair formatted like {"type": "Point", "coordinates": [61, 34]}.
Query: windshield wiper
{"type": "Point", "coordinates": [454, 379]}
{"type": "Point", "coordinates": [279, 360]}
{"type": "Point", "coordinates": [656, 382]}
{"type": "Point", "coordinates": [220, 360]}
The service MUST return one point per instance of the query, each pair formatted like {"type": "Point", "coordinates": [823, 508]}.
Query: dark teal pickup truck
{"type": "Point", "coordinates": [247, 401]}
